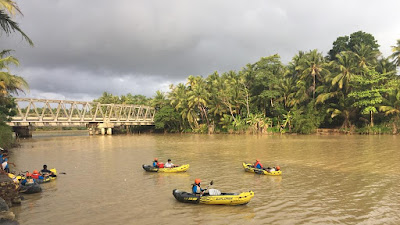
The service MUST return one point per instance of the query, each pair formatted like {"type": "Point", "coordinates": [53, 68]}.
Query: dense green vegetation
{"type": "Point", "coordinates": [353, 88]}
{"type": "Point", "coordinates": [107, 98]}
{"type": "Point", "coordinates": [9, 83]}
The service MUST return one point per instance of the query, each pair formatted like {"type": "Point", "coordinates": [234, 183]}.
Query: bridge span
{"type": "Point", "coordinates": [97, 117]}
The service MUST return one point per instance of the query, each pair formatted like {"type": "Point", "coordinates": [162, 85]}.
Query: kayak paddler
{"type": "Point", "coordinates": [196, 189]}
{"type": "Point", "coordinates": [258, 165]}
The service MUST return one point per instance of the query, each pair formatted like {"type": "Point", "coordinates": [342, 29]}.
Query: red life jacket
{"type": "Point", "coordinates": [35, 175]}
{"type": "Point", "coordinates": [258, 163]}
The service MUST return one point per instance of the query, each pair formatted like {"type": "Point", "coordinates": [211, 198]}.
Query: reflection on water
{"type": "Point", "coordinates": [45, 134]}
{"type": "Point", "coordinates": [326, 179]}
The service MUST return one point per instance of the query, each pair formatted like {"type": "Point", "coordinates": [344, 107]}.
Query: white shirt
{"type": "Point", "coordinates": [168, 165]}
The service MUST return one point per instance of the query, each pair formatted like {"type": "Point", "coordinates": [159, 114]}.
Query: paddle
{"type": "Point", "coordinates": [211, 183]}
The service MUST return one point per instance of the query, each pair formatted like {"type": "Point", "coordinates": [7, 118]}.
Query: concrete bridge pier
{"type": "Point", "coordinates": [23, 131]}
{"type": "Point", "coordinates": [107, 131]}
{"type": "Point", "coordinates": [92, 128]}
{"type": "Point", "coordinates": [105, 128]}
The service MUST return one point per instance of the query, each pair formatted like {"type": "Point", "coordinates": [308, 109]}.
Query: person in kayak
{"type": "Point", "coordinates": [273, 169]}
{"type": "Point", "coordinates": [169, 164]}
{"type": "Point", "coordinates": [155, 162]}
{"type": "Point", "coordinates": [258, 165]}
{"type": "Point", "coordinates": [46, 173]}
{"type": "Point", "coordinates": [28, 180]}
{"type": "Point", "coordinates": [36, 175]}
{"type": "Point", "coordinates": [196, 189]}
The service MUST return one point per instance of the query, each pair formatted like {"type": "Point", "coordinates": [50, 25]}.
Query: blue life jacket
{"type": "Point", "coordinates": [194, 189]}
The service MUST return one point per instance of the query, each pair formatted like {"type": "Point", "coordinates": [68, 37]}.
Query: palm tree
{"type": "Point", "coordinates": [365, 55]}
{"type": "Point", "coordinates": [10, 84]}
{"type": "Point", "coordinates": [396, 53]}
{"type": "Point", "coordinates": [391, 106]}
{"type": "Point", "coordinates": [179, 100]}
{"type": "Point", "coordinates": [286, 88]}
{"type": "Point", "coordinates": [214, 85]}
{"type": "Point", "coordinates": [198, 97]}
{"type": "Point", "coordinates": [347, 68]}
{"type": "Point", "coordinates": [6, 23]}
{"type": "Point", "coordinates": [385, 66]}
{"type": "Point", "coordinates": [294, 65]}
{"type": "Point", "coordinates": [10, 6]}
{"type": "Point", "coordinates": [313, 65]}
{"type": "Point", "coordinates": [159, 100]}
{"type": "Point", "coordinates": [288, 120]}
{"type": "Point", "coordinates": [340, 107]}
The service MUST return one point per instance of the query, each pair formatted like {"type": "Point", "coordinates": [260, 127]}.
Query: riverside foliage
{"type": "Point", "coordinates": [353, 88]}
{"type": "Point", "coordinates": [9, 83]}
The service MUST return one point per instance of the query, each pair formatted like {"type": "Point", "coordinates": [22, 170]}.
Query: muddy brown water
{"type": "Point", "coordinates": [326, 179]}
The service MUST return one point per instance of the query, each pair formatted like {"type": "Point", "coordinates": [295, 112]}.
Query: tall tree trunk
{"type": "Point", "coordinates": [372, 118]}
{"type": "Point", "coordinates": [247, 104]}
{"type": "Point", "coordinates": [313, 93]}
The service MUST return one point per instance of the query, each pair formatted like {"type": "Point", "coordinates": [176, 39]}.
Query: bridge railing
{"type": "Point", "coordinates": [51, 112]}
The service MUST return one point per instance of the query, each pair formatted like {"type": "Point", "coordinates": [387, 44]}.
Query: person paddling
{"type": "Point", "coordinates": [258, 165]}
{"type": "Point", "coordinates": [46, 173]}
{"type": "Point", "coordinates": [28, 180]}
{"type": "Point", "coordinates": [196, 189]}
{"type": "Point", "coordinates": [36, 175]}
{"type": "Point", "coordinates": [169, 164]}
{"type": "Point", "coordinates": [155, 162]}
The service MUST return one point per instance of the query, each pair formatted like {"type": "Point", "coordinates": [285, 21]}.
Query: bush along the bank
{"type": "Point", "coordinates": [6, 138]}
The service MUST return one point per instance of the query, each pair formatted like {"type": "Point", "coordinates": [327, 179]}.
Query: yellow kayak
{"type": "Point", "coordinates": [221, 199]}
{"type": "Point", "coordinates": [15, 179]}
{"type": "Point", "coordinates": [54, 174]}
{"type": "Point", "coordinates": [47, 179]}
{"type": "Point", "coordinates": [182, 168]}
{"type": "Point", "coordinates": [250, 168]}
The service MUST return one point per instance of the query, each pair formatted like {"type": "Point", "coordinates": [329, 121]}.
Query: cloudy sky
{"type": "Point", "coordinates": [85, 47]}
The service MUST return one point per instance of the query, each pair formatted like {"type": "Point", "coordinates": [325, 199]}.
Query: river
{"type": "Point", "coordinates": [326, 179]}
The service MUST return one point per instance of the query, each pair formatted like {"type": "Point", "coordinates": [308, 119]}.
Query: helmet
{"type": "Point", "coordinates": [197, 181]}
{"type": "Point", "coordinates": [278, 167]}
{"type": "Point", "coordinates": [35, 171]}
{"type": "Point", "coordinates": [155, 159]}
{"type": "Point", "coordinates": [257, 160]}
{"type": "Point", "coordinates": [169, 160]}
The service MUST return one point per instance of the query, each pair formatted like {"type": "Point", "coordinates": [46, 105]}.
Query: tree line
{"type": "Point", "coordinates": [353, 88]}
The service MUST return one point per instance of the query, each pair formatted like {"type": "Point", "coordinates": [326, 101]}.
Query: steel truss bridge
{"type": "Point", "coordinates": [65, 113]}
